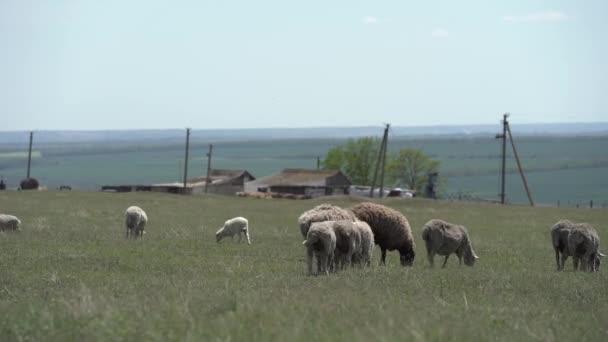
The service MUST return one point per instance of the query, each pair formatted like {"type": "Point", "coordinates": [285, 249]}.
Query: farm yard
{"type": "Point", "coordinates": [70, 274]}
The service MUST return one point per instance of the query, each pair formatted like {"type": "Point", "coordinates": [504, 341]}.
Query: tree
{"type": "Point", "coordinates": [357, 159]}
{"type": "Point", "coordinates": [410, 168]}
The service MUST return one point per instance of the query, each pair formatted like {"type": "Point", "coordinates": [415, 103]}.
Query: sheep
{"type": "Point", "coordinates": [9, 222]}
{"type": "Point", "coordinates": [584, 244]}
{"type": "Point", "coordinates": [136, 220]}
{"type": "Point", "coordinates": [559, 239]}
{"type": "Point", "coordinates": [320, 240]}
{"type": "Point", "coordinates": [363, 255]}
{"type": "Point", "coordinates": [320, 213]}
{"type": "Point", "coordinates": [348, 242]}
{"type": "Point", "coordinates": [237, 225]}
{"type": "Point", "coordinates": [444, 238]}
{"type": "Point", "coordinates": [391, 230]}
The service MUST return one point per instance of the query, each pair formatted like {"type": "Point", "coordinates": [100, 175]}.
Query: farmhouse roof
{"type": "Point", "coordinates": [306, 177]}
{"type": "Point", "coordinates": [218, 176]}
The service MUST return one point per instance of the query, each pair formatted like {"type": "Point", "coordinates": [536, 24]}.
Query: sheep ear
{"type": "Point", "coordinates": [475, 256]}
{"type": "Point", "coordinates": [304, 242]}
{"type": "Point", "coordinates": [602, 254]}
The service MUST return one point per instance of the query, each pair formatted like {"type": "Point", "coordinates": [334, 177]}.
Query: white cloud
{"type": "Point", "coordinates": [550, 16]}
{"type": "Point", "coordinates": [370, 20]}
{"type": "Point", "coordinates": [440, 33]}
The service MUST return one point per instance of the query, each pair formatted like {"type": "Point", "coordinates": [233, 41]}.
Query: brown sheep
{"type": "Point", "coordinates": [321, 213]}
{"type": "Point", "coordinates": [391, 230]}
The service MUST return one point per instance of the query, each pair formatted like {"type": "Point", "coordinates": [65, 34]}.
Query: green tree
{"type": "Point", "coordinates": [357, 159]}
{"type": "Point", "coordinates": [410, 168]}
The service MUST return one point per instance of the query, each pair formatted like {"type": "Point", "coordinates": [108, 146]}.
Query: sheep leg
{"type": "Point", "coordinates": [446, 261]}
{"type": "Point", "coordinates": [127, 236]}
{"type": "Point", "coordinates": [309, 259]}
{"type": "Point", "coordinates": [557, 259]}
{"type": "Point", "coordinates": [383, 256]}
{"type": "Point", "coordinates": [431, 256]}
{"type": "Point", "coordinates": [564, 258]}
{"type": "Point", "coordinates": [247, 236]}
{"type": "Point", "coordinates": [240, 236]}
{"type": "Point", "coordinates": [575, 262]}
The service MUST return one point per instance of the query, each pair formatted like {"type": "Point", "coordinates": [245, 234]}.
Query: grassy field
{"type": "Point", "coordinates": [71, 275]}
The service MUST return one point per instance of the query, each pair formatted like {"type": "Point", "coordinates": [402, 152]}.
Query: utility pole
{"type": "Point", "coordinates": [503, 136]}
{"type": "Point", "coordinates": [186, 159]}
{"type": "Point", "coordinates": [521, 170]}
{"type": "Point", "coordinates": [383, 161]}
{"type": "Point", "coordinates": [381, 157]}
{"type": "Point", "coordinates": [207, 180]}
{"type": "Point", "coordinates": [506, 129]}
{"type": "Point", "coordinates": [29, 155]}
{"type": "Point", "coordinates": [318, 162]}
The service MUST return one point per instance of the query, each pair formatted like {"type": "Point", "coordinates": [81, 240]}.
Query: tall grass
{"type": "Point", "coordinates": [71, 275]}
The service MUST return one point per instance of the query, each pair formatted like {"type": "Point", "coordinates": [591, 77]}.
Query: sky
{"type": "Point", "coordinates": [89, 65]}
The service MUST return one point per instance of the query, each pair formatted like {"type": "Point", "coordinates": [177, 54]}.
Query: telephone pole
{"type": "Point", "coordinates": [207, 180]}
{"type": "Point", "coordinates": [318, 162]}
{"type": "Point", "coordinates": [186, 159]}
{"type": "Point", "coordinates": [29, 155]}
{"type": "Point", "coordinates": [381, 160]}
{"type": "Point", "coordinates": [506, 129]}
{"type": "Point", "coordinates": [503, 136]}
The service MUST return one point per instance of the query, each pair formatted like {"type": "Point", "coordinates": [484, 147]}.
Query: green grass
{"type": "Point", "coordinates": [70, 275]}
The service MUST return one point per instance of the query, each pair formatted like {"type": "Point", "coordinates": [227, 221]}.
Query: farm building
{"type": "Point", "coordinates": [225, 182]}
{"type": "Point", "coordinates": [308, 182]}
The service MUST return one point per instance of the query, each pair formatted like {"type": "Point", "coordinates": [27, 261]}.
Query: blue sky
{"type": "Point", "coordinates": [245, 64]}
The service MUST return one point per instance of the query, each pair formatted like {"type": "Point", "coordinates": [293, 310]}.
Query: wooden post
{"type": "Point", "coordinates": [521, 170]}
{"type": "Point", "coordinates": [186, 159]}
{"type": "Point", "coordinates": [379, 161]}
{"type": "Point", "coordinates": [318, 162]}
{"type": "Point", "coordinates": [383, 161]}
{"type": "Point", "coordinates": [29, 155]}
{"type": "Point", "coordinates": [207, 180]}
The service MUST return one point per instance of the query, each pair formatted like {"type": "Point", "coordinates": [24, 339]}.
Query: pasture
{"type": "Point", "coordinates": [71, 275]}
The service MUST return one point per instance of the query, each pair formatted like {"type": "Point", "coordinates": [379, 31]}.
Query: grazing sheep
{"type": "Point", "coordinates": [584, 244]}
{"type": "Point", "coordinates": [320, 240]}
{"type": "Point", "coordinates": [9, 222]}
{"type": "Point", "coordinates": [237, 225]}
{"type": "Point", "coordinates": [391, 230]}
{"type": "Point", "coordinates": [136, 220]}
{"type": "Point", "coordinates": [321, 213]}
{"type": "Point", "coordinates": [348, 242]}
{"type": "Point", "coordinates": [363, 255]}
{"type": "Point", "coordinates": [559, 239]}
{"type": "Point", "coordinates": [444, 238]}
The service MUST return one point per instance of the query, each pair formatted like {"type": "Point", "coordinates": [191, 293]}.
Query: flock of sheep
{"type": "Point", "coordinates": [339, 238]}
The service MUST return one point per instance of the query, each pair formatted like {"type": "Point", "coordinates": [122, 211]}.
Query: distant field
{"type": "Point", "coordinates": [69, 275]}
{"type": "Point", "coordinates": [565, 169]}
{"type": "Point", "coordinates": [19, 155]}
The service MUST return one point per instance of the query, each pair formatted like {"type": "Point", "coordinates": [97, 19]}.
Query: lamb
{"type": "Point", "coordinates": [321, 213]}
{"type": "Point", "coordinates": [444, 238]}
{"type": "Point", "coordinates": [584, 244]}
{"type": "Point", "coordinates": [363, 255]}
{"type": "Point", "coordinates": [559, 239]}
{"type": "Point", "coordinates": [9, 222]}
{"type": "Point", "coordinates": [391, 230]}
{"type": "Point", "coordinates": [136, 220]}
{"type": "Point", "coordinates": [237, 225]}
{"type": "Point", "coordinates": [320, 240]}
{"type": "Point", "coordinates": [348, 242]}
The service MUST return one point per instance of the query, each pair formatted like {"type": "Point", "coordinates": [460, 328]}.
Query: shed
{"type": "Point", "coordinates": [308, 182]}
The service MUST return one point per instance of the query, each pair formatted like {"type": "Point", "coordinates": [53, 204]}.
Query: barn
{"type": "Point", "coordinates": [307, 182]}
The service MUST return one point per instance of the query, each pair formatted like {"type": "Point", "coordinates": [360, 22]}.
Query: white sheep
{"type": "Point", "coordinates": [237, 225]}
{"type": "Point", "coordinates": [9, 222]}
{"type": "Point", "coordinates": [320, 241]}
{"type": "Point", "coordinates": [135, 221]}
{"type": "Point", "coordinates": [559, 239]}
{"type": "Point", "coordinates": [584, 244]}
{"type": "Point", "coordinates": [348, 242]}
{"type": "Point", "coordinates": [444, 238]}
{"type": "Point", "coordinates": [363, 254]}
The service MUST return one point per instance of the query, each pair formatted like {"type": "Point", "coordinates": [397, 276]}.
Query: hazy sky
{"type": "Point", "coordinates": [279, 63]}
